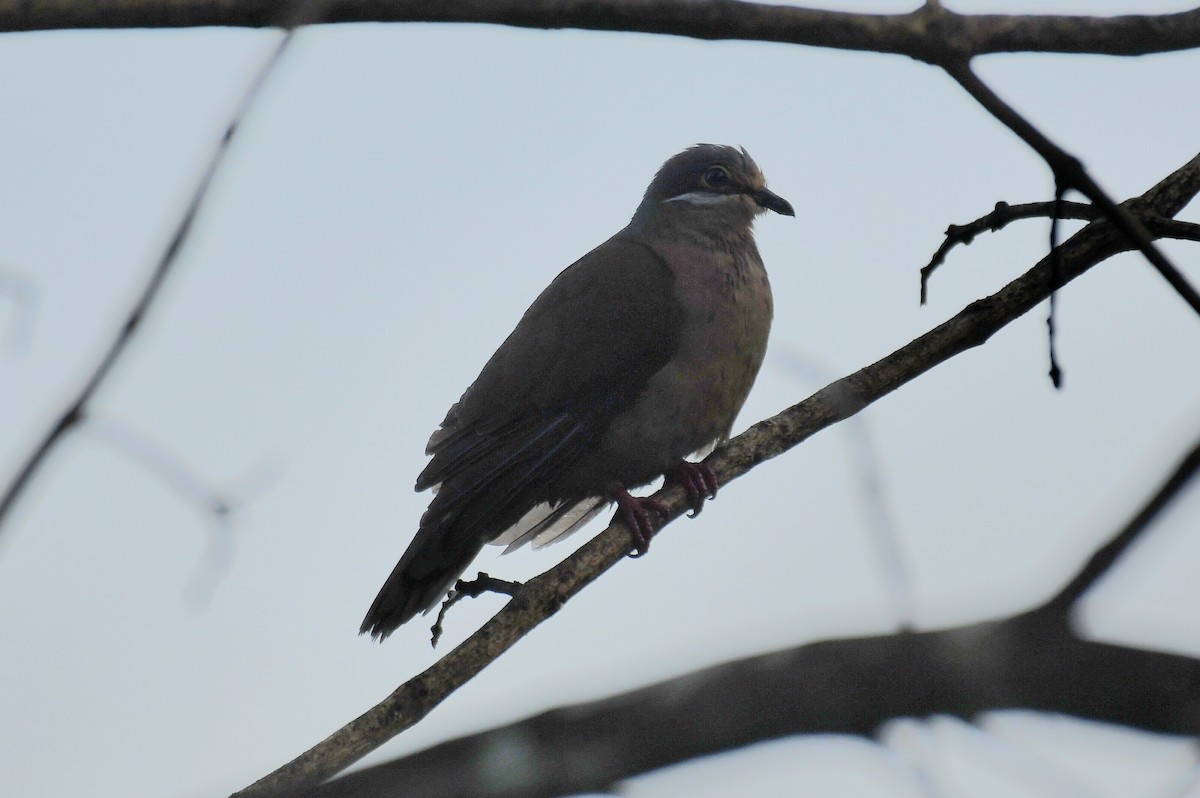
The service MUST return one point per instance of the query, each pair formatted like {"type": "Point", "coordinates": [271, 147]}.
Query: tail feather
{"type": "Point", "coordinates": [489, 479]}
{"type": "Point", "coordinates": [428, 569]}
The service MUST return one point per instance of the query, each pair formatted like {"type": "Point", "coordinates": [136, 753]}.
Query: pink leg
{"type": "Point", "coordinates": [635, 512]}
{"type": "Point", "coordinates": [699, 481]}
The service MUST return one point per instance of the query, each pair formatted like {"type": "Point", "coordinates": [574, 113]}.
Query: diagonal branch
{"type": "Point", "coordinates": [544, 595]}
{"type": "Point", "coordinates": [931, 34]}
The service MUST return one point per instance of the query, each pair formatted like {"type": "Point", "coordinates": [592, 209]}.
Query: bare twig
{"type": "Point", "coordinates": [1070, 174]}
{"type": "Point", "coordinates": [1000, 217]}
{"type": "Point", "coordinates": [470, 589]}
{"type": "Point", "coordinates": [543, 596]}
{"type": "Point", "coordinates": [1004, 214]}
{"type": "Point", "coordinates": [1055, 264]}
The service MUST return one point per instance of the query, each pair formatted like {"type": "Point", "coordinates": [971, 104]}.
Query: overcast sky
{"type": "Point", "coordinates": [391, 205]}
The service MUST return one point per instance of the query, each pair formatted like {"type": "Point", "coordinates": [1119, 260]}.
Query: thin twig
{"type": "Point", "coordinates": [470, 589]}
{"type": "Point", "coordinates": [1005, 214]}
{"type": "Point", "coordinates": [1056, 375]}
{"type": "Point", "coordinates": [1069, 173]}
{"type": "Point", "coordinates": [999, 218]}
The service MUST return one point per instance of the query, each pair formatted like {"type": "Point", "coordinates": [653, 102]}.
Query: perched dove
{"type": "Point", "coordinates": [637, 355]}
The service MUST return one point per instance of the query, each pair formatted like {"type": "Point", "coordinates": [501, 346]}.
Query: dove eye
{"type": "Point", "coordinates": [715, 177]}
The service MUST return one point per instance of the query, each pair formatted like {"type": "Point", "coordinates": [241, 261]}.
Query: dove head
{"type": "Point", "coordinates": [711, 182]}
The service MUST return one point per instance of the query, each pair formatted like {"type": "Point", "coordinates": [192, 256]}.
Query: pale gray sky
{"type": "Point", "coordinates": [390, 207]}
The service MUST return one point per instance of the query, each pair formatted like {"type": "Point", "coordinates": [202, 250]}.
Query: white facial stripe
{"type": "Point", "coordinates": [701, 198]}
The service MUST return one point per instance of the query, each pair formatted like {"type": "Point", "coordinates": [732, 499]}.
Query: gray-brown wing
{"type": "Point", "coordinates": [580, 355]}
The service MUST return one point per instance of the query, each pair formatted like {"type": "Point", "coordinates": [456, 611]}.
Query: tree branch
{"type": "Point", "coordinates": [542, 596]}
{"type": "Point", "coordinates": [931, 34]}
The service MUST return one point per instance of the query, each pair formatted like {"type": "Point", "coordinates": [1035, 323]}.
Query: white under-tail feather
{"type": "Point", "coordinates": [546, 524]}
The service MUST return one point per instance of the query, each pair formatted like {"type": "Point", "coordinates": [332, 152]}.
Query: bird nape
{"type": "Point", "coordinates": [637, 355]}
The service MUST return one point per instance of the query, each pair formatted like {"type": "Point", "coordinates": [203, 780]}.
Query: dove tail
{"type": "Point", "coordinates": [428, 569]}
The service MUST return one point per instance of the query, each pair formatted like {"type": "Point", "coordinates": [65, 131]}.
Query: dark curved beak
{"type": "Point", "coordinates": [773, 202]}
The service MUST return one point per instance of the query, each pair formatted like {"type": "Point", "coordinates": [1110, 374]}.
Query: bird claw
{"type": "Point", "coordinates": [700, 483]}
{"type": "Point", "coordinates": [470, 589]}
{"type": "Point", "coordinates": [635, 512]}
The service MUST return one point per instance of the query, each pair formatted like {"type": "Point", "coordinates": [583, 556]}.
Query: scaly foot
{"type": "Point", "coordinates": [699, 481]}
{"type": "Point", "coordinates": [635, 512]}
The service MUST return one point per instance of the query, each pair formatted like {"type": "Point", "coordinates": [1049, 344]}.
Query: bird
{"type": "Point", "coordinates": [637, 355]}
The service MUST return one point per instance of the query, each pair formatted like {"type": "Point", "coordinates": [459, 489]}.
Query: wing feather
{"type": "Point", "coordinates": [581, 355]}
